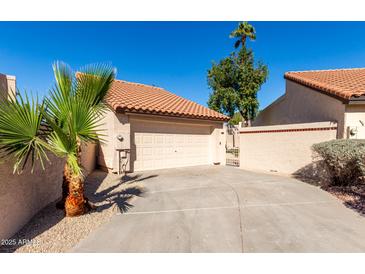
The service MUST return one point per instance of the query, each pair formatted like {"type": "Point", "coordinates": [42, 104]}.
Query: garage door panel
{"type": "Point", "coordinates": [158, 152]}
{"type": "Point", "coordinates": [147, 139]}
{"type": "Point", "coordinates": [180, 139]}
{"type": "Point", "coordinates": [169, 139]}
{"type": "Point", "coordinates": [159, 139]}
{"type": "Point", "coordinates": [169, 146]}
{"type": "Point", "coordinates": [168, 151]}
{"type": "Point", "coordinates": [137, 139]}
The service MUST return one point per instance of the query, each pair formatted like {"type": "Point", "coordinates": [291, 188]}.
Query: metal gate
{"type": "Point", "coordinates": [233, 156]}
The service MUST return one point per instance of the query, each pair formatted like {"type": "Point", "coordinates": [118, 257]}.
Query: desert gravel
{"type": "Point", "coordinates": [353, 196]}
{"type": "Point", "coordinates": [50, 231]}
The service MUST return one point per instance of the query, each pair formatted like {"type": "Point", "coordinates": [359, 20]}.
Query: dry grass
{"type": "Point", "coordinates": [50, 231]}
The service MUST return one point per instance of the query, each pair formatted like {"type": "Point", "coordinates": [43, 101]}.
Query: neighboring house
{"type": "Point", "coordinates": [150, 128]}
{"type": "Point", "coordinates": [7, 86]}
{"type": "Point", "coordinates": [321, 95]}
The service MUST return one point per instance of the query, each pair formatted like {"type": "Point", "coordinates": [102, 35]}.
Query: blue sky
{"type": "Point", "coordinates": [175, 55]}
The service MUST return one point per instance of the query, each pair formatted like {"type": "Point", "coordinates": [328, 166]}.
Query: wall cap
{"type": "Point", "coordinates": [291, 127]}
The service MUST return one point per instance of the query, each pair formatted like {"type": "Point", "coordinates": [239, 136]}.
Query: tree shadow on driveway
{"type": "Point", "coordinates": [119, 194]}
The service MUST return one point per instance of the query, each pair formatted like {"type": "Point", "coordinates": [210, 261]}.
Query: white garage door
{"type": "Point", "coordinates": [167, 145]}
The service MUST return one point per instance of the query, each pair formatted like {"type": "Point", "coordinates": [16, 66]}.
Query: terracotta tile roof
{"type": "Point", "coordinates": [342, 83]}
{"type": "Point", "coordinates": [140, 98]}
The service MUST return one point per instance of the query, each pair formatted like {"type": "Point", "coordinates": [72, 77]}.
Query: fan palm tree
{"type": "Point", "coordinates": [243, 31]}
{"type": "Point", "coordinates": [70, 116]}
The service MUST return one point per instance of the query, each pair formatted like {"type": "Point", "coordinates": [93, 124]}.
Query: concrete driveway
{"type": "Point", "coordinates": [223, 209]}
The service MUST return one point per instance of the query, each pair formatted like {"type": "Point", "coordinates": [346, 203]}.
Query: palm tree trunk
{"type": "Point", "coordinates": [65, 185]}
{"type": "Point", "coordinates": [75, 204]}
{"type": "Point", "coordinates": [249, 120]}
{"type": "Point", "coordinates": [243, 40]}
{"type": "Point", "coordinates": [73, 200]}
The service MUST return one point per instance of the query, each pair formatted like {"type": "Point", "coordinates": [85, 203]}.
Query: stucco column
{"type": "Point", "coordinates": [219, 145]}
{"type": "Point", "coordinates": [7, 86]}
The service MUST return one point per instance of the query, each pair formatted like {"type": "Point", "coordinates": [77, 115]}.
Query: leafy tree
{"type": "Point", "coordinates": [69, 116]}
{"type": "Point", "coordinates": [236, 79]}
{"type": "Point", "coordinates": [236, 118]}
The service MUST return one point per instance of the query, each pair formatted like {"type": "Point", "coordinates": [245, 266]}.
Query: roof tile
{"type": "Point", "coordinates": [343, 83]}
{"type": "Point", "coordinates": [135, 97]}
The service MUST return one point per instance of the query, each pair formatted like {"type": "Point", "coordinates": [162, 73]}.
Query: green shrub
{"type": "Point", "coordinates": [344, 160]}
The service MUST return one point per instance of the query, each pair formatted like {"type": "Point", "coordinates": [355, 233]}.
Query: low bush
{"type": "Point", "coordinates": [344, 159]}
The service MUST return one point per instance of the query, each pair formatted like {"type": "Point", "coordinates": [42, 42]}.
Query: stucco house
{"type": "Point", "coordinates": [148, 128]}
{"type": "Point", "coordinates": [321, 95]}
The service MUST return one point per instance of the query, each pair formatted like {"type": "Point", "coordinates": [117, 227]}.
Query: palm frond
{"type": "Point", "coordinates": [73, 163]}
{"type": "Point", "coordinates": [23, 132]}
{"type": "Point", "coordinates": [71, 113]}
{"type": "Point", "coordinates": [85, 121]}
{"type": "Point", "coordinates": [61, 95]}
{"type": "Point", "coordinates": [63, 142]}
{"type": "Point", "coordinates": [81, 122]}
{"type": "Point", "coordinates": [243, 30]}
{"type": "Point", "coordinates": [94, 82]}
{"type": "Point", "coordinates": [64, 78]}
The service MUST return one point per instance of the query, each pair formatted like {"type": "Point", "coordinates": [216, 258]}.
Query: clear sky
{"type": "Point", "coordinates": [175, 55]}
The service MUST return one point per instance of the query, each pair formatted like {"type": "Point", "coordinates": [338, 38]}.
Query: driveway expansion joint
{"type": "Point", "coordinates": [278, 214]}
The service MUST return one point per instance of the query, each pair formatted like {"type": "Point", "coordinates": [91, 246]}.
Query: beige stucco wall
{"type": "Point", "coordinates": [88, 157]}
{"type": "Point", "coordinates": [113, 124]}
{"type": "Point", "coordinates": [218, 144]}
{"type": "Point", "coordinates": [122, 124]}
{"type": "Point", "coordinates": [303, 105]}
{"type": "Point", "coordinates": [355, 119]}
{"type": "Point", "coordinates": [283, 152]}
{"type": "Point", "coordinates": [7, 86]}
{"type": "Point", "coordinates": [274, 114]}
{"type": "Point", "coordinates": [22, 196]}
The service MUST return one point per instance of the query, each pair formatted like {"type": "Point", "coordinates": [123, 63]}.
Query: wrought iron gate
{"type": "Point", "coordinates": [233, 156]}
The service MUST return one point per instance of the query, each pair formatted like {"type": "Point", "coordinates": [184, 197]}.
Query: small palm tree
{"type": "Point", "coordinates": [70, 116]}
{"type": "Point", "coordinates": [243, 31]}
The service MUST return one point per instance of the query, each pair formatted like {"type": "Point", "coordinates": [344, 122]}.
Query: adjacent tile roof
{"type": "Point", "coordinates": [140, 98]}
{"type": "Point", "coordinates": [342, 83]}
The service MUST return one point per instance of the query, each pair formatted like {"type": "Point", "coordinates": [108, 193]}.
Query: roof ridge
{"type": "Point", "coordinates": [137, 97]}
{"type": "Point", "coordinates": [160, 88]}
{"type": "Point", "coordinates": [323, 70]}
{"type": "Point", "coordinates": [138, 84]}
